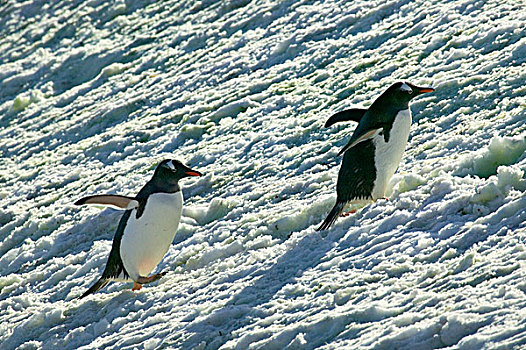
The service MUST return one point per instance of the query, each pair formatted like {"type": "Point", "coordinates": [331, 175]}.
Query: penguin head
{"type": "Point", "coordinates": [402, 92]}
{"type": "Point", "coordinates": [172, 170]}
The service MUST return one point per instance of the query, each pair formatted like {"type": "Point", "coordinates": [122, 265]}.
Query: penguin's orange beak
{"type": "Point", "coordinates": [424, 90]}
{"type": "Point", "coordinates": [193, 173]}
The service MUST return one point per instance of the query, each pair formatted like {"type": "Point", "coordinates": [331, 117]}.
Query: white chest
{"type": "Point", "coordinates": [146, 240]}
{"type": "Point", "coordinates": [388, 154]}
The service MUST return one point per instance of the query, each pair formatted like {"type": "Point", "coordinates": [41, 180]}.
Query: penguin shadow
{"type": "Point", "coordinates": [220, 327]}
{"type": "Point", "coordinates": [74, 241]}
{"type": "Point", "coordinates": [96, 317]}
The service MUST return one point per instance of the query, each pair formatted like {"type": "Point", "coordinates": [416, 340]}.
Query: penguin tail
{"type": "Point", "coordinates": [101, 283]}
{"type": "Point", "coordinates": [336, 211]}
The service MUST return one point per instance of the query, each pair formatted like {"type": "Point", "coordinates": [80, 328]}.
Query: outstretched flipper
{"type": "Point", "coordinates": [336, 211]}
{"type": "Point", "coordinates": [354, 114]}
{"type": "Point", "coordinates": [110, 200]}
{"type": "Point", "coordinates": [101, 283]}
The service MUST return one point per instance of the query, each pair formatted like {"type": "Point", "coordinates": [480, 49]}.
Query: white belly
{"type": "Point", "coordinates": [146, 240]}
{"type": "Point", "coordinates": [389, 154]}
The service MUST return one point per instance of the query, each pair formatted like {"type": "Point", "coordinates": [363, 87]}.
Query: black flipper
{"type": "Point", "coordinates": [336, 211]}
{"type": "Point", "coordinates": [354, 114]}
{"type": "Point", "coordinates": [114, 267]}
{"type": "Point", "coordinates": [101, 283]}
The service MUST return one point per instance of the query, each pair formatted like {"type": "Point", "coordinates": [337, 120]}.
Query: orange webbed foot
{"type": "Point", "coordinates": [136, 286]}
{"type": "Point", "coordinates": [349, 213]}
{"type": "Point", "coordinates": [153, 278]}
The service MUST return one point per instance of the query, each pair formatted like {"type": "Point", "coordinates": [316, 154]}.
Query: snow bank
{"type": "Point", "coordinates": [500, 151]}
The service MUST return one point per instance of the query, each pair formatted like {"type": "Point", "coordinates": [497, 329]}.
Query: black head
{"type": "Point", "coordinates": [399, 94]}
{"type": "Point", "coordinates": [170, 171]}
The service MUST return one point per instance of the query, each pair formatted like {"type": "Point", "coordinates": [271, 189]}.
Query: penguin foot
{"type": "Point", "coordinates": [349, 213]}
{"type": "Point", "coordinates": [136, 286]}
{"type": "Point", "coordinates": [152, 278]}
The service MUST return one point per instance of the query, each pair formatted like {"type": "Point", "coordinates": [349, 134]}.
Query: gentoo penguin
{"type": "Point", "coordinates": [146, 229]}
{"type": "Point", "coordinates": [372, 154]}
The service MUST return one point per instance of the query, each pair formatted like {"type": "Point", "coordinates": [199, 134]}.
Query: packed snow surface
{"type": "Point", "coordinates": [95, 93]}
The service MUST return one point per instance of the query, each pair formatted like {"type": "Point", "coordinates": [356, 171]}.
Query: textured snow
{"type": "Point", "coordinates": [94, 94]}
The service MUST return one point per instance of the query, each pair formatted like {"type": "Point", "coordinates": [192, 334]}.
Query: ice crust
{"type": "Point", "coordinates": [94, 94]}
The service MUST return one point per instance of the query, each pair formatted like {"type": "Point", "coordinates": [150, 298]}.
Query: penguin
{"type": "Point", "coordinates": [147, 227]}
{"type": "Point", "coordinates": [375, 149]}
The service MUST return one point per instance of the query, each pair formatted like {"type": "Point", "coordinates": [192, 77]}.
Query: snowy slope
{"type": "Point", "coordinates": [94, 94]}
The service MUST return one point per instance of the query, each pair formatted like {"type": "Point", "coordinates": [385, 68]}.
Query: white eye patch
{"type": "Point", "coordinates": [406, 88]}
{"type": "Point", "coordinates": [170, 165]}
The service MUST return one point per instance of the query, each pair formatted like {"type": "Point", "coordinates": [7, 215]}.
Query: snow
{"type": "Point", "coordinates": [94, 94]}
